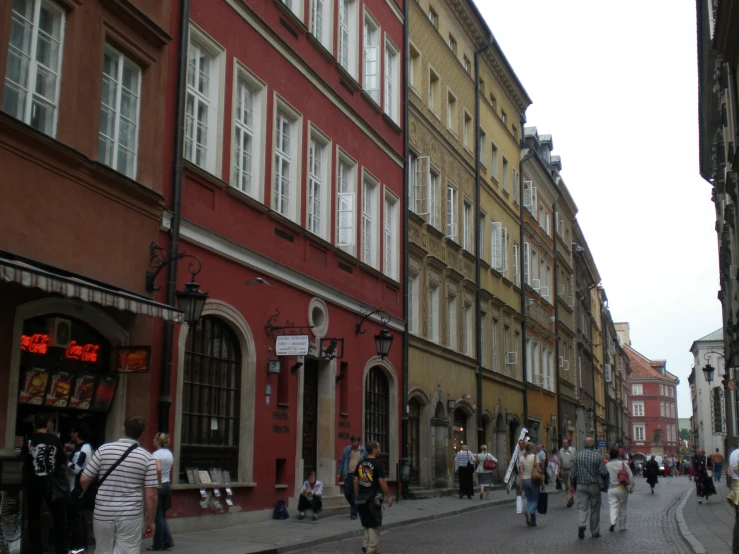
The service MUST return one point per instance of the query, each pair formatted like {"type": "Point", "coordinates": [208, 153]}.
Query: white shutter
{"type": "Point", "coordinates": [527, 187]}
{"type": "Point", "coordinates": [496, 244]}
{"type": "Point", "coordinates": [536, 284]}
{"type": "Point", "coordinates": [371, 65]}
{"type": "Point", "coordinates": [526, 261]}
{"type": "Point", "coordinates": [346, 234]}
{"type": "Point", "coordinates": [561, 361]}
{"type": "Point", "coordinates": [504, 242]}
{"type": "Point", "coordinates": [534, 201]}
{"type": "Point", "coordinates": [423, 182]}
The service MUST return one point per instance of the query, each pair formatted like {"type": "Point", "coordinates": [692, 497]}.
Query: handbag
{"type": "Point", "coordinates": [85, 500]}
{"type": "Point", "coordinates": [489, 464]}
{"type": "Point", "coordinates": [709, 472]}
{"type": "Point", "coordinates": [536, 474]}
{"type": "Point", "coordinates": [543, 503]}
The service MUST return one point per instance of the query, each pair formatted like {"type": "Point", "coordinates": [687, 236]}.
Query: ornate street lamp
{"type": "Point", "coordinates": [708, 370]}
{"type": "Point", "coordinates": [191, 301]}
{"type": "Point", "coordinates": [383, 343]}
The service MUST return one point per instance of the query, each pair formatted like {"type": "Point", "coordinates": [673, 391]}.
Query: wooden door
{"type": "Point", "coordinates": [310, 416]}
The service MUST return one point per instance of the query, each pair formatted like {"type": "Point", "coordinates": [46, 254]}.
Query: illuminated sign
{"type": "Point", "coordinates": [39, 344]}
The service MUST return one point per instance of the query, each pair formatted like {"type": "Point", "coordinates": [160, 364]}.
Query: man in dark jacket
{"type": "Point", "coordinates": [43, 461]}
{"type": "Point", "coordinates": [651, 471]}
{"type": "Point", "coordinates": [352, 456]}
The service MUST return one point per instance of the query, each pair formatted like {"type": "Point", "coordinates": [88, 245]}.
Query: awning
{"type": "Point", "coordinates": [57, 281]}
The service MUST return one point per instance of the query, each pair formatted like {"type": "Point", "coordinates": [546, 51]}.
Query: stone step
{"type": "Point", "coordinates": [419, 493]}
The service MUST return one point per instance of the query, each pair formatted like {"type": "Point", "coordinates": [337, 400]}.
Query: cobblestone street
{"type": "Point", "coordinates": [651, 526]}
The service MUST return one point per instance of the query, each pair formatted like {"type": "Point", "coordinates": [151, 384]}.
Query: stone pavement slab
{"type": "Point", "coordinates": [710, 524]}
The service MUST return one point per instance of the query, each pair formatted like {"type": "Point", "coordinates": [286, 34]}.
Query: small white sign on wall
{"type": "Point", "coordinates": [292, 345]}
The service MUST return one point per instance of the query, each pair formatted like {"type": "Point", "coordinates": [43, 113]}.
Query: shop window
{"type": "Point", "coordinates": [210, 398]}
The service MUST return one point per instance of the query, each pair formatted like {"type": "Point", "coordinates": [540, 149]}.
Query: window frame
{"type": "Point", "coordinates": [634, 406]}
{"type": "Point", "coordinates": [344, 159]}
{"type": "Point", "coordinates": [326, 38]}
{"type": "Point", "coordinates": [283, 109]}
{"type": "Point", "coordinates": [370, 230]}
{"type": "Point", "coordinates": [351, 8]}
{"type": "Point", "coordinates": [467, 216]}
{"type": "Point", "coordinates": [392, 76]}
{"type": "Point", "coordinates": [315, 135]}
{"type": "Point", "coordinates": [391, 235]}
{"type": "Point", "coordinates": [433, 331]}
{"type": "Point", "coordinates": [434, 99]}
{"type": "Point", "coordinates": [371, 21]}
{"type": "Point", "coordinates": [640, 427]}
{"type": "Point", "coordinates": [451, 212]}
{"type": "Point", "coordinates": [452, 321]}
{"type": "Point", "coordinates": [414, 312]}
{"type": "Point", "coordinates": [452, 112]}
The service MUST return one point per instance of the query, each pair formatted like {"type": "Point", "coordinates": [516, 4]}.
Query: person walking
{"type": "Point", "coordinates": [44, 463]}
{"type": "Point", "coordinates": [464, 465]}
{"type": "Point", "coordinates": [350, 459]}
{"type": "Point", "coordinates": [564, 460]}
{"type": "Point", "coordinates": [311, 497]}
{"type": "Point", "coordinates": [77, 522]}
{"type": "Point", "coordinates": [486, 466]}
{"type": "Point", "coordinates": [718, 462]}
{"type": "Point", "coordinates": [552, 467]}
{"type": "Point", "coordinates": [530, 484]}
{"type": "Point", "coordinates": [119, 505]}
{"type": "Point", "coordinates": [588, 478]}
{"type": "Point", "coordinates": [651, 472]}
{"type": "Point", "coordinates": [621, 485]}
{"type": "Point", "coordinates": [164, 460]}
{"type": "Point", "coordinates": [369, 486]}
{"type": "Point", "coordinates": [704, 486]}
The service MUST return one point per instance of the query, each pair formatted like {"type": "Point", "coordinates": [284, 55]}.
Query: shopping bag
{"type": "Point", "coordinates": [519, 504]}
{"type": "Point", "coordinates": [543, 503]}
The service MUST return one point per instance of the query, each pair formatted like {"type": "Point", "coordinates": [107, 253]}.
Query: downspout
{"type": "Point", "coordinates": [523, 285]}
{"type": "Point", "coordinates": [555, 293]}
{"type": "Point", "coordinates": [478, 253]}
{"type": "Point", "coordinates": [406, 281]}
{"type": "Point", "coordinates": [165, 378]}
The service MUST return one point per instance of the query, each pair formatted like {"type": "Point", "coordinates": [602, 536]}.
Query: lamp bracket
{"type": "Point", "coordinates": [159, 258]}
{"type": "Point", "coordinates": [366, 314]}
{"type": "Point", "coordinates": [277, 324]}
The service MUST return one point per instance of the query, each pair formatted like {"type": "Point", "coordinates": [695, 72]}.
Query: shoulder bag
{"type": "Point", "coordinates": [709, 472]}
{"type": "Point", "coordinates": [536, 474]}
{"type": "Point", "coordinates": [489, 464]}
{"type": "Point", "coordinates": [85, 500]}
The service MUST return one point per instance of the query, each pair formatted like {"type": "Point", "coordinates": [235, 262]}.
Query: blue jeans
{"type": "Point", "coordinates": [717, 472]}
{"type": "Point", "coordinates": [349, 494]}
{"type": "Point", "coordinates": [531, 490]}
{"type": "Point", "coordinates": [162, 536]}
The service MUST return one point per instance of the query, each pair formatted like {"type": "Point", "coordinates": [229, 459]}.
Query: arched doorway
{"type": "Point", "coordinates": [377, 411]}
{"type": "Point", "coordinates": [440, 445]}
{"type": "Point", "coordinates": [460, 429]}
{"type": "Point", "coordinates": [414, 439]}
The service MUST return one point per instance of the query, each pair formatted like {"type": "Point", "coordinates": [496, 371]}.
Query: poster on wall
{"type": "Point", "coordinates": [83, 391]}
{"type": "Point", "coordinates": [104, 393]}
{"type": "Point", "coordinates": [33, 388]}
{"type": "Point", "coordinates": [133, 359]}
{"type": "Point", "coordinates": [60, 389]}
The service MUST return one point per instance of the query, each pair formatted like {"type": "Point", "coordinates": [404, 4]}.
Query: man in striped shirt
{"type": "Point", "coordinates": [117, 520]}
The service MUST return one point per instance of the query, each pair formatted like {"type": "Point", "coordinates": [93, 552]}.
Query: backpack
{"type": "Point", "coordinates": [280, 511]}
{"type": "Point", "coordinates": [623, 475]}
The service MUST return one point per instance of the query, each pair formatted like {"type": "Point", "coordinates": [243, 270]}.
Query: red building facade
{"type": "Point", "coordinates": [653, 398]}
{"type": "Point", "coordinates": [292, 199]}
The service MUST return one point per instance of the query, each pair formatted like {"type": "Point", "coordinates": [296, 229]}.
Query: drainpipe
{"type": "Point", "coordinates": [478, 253]}
{"type": "Point", "coordinates": [406, 281]}
{"type": "Point", "coordinates": [523, 285]}
{"type": "Point", "coordinates": [165, 378]}
{"type": "Point", "coordinates": [555, 293]}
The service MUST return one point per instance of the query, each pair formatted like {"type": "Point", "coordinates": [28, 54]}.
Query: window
{"type": "Point", "coordinates": [347, 54]}
{"type": "Point", "coordinates": [517, 350]}
{"type": "Point", "coordinates": [637, 409]}
{"type": "Point", "coordinates": [392, 82]}
{"type": "Point", "coordinates": [391, 236]}
{"type": "Point", "coordinates": [370, 221]}
{"type": "Point", "coordinates": [661, 390]}
{"type": "Point", "coordinates": [346, 187]}
{"type": "Point", "coordinates": [662, 409]}
{"type": "Point", "coordinates": [499, 247]}
{"type": "Point", "coordinates": [495, 345]}
{"type": "Point", "coordinates": [119, 113]}
{"type": "Point", "coordinates": [203, 93]}
{"type": "Point", "coordinates": [483, 140]}
{"type": "Point", "coordinates": [504, 175]}
{"type": "Point", "coordinates": [413, 302]}
{"type": "Point", "coordinates": [482, 87]}
{"type": "Point", "coordinates": [483, 339]}
{"type": "Point", "coordinates": [672, 411]}
{"type": "Point", "coordinates": [467, 137]}
{"type": "Point", "coordinates": [535, 281]}
{"type": "Point", "coordinates": [541, 214]}
{"type": "Point", "coordinates": [295, 6]}
{"type": "Point", "coordinates": [318, 184]}
{"type": "Point", "coordinates": [377, 408]}
{"type": "Point", "coordinates": [451, 212]}
{"type": "Point", "coordinates": [434, 96]}
{"type": "Point", "coordinates": [452, 44]}
{"type": "Point", "coordinates": [466, 226]}
{"type": "Point", "coordinates": [320, 21]}
{"type": "Point", "coordinates": [516, 185]}
{"type": "Point", "coordinates": [514, 130]}
{"type": "Point", "coordinates": [412, 181]}
{"type": "Point", "coordinates": [504, 117]}
{"type": "Point", "coordinates": [433, 17]}
{"type": "Point", "coordinates": [469, 330]}
{"type": "Point", "coordinates": [248, 143]}
{"type": "Point", "coordinates": [433, 188]}
{"type": "Point", "coordinates": [34, 64]}
{"type": "Point", "coordinates": [526, 262]}
{"type": "Point", "coordinates": [210, 396]}
{"type": "Point", "coordinates": [285, 194]}
{"type": "Point", "coordinates": [639, 433]}
{"type": "Point", "coordinates": [414, 70]}
{"type": "Point", "coordinates": [433, 299]}
{"type": "Point", "coordinates": [481, 235]}
{"type": "Point", "coordinates": [516, 266]}
{"type": "Point", "coordinates": [451, 324]}
{"type": "Point", "coordinates": [452, 116]}
{"type": "Point", "coordinates": [371, 59]}
{"type": "Point", "coordinates": [529, 197]}
{"type": "Point", "coordinates": [467, 64]}
{"type": "Point", "coordinates": [494, 162]}
{"type": "Point", "coordinates": [493, 102]}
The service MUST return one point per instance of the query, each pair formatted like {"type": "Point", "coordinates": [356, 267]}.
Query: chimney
{"type": "Point", "coordinates": [624, 332]}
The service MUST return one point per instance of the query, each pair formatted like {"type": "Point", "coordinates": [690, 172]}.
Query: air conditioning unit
{"type": "Point", "coordinates": [544, 291]}
{"type": "Point", "coordinates": [536, 284]}
{"type": "Point", "coordinates": [60, 332]}
{"type": "Point", "coordinates": [607, 369]}
{"type": "Point", "coordinates": [511, 358]}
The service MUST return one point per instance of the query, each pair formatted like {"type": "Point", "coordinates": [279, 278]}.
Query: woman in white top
{"type": "Point", "coordinates": [485, 476]}
{"type": "Point", "coordinates": [164, 460]}
{"type": "Point", "coordinates": [618, 493]}
{"type": "Point", "coordinates": [529, 488]}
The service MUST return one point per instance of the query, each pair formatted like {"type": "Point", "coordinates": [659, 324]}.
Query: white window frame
{"type": "Point", "coordinates": [637, 409]}
{"type": "Point", "coordinates": [201, 42]}
{"type": "Point", "coordinates": [433, 311]}
{"type": "Point", "coordinates": [640, 433]}
{"type": "Point", "coordinates": [504, 175]}
{"type": "Point", "coordinates": [494, 154]}
{"type": "Point", "coordinates": [495, 345]}
{"type": "Point", "coordinates": [530, 197]}
{"type": "Point", "coordinates": [499, 247]}
{"type": "Point", "coordinates": [370, 219]}
{"type": "Point", "coordinates": [469, 329]}
{"type": "Point", "coordinates": [347, 46]}
{"type": "Point", "coordinates": [257, 131]}
{"type": "Point", "coordinates": [347, 176]}
{"type": "Point", "coordinates": [321, 21]}
{"type": "Point", "coordinates": [468, 125]}
{"type": "Point", "coordinates": [117, 82]}
{"type": "Point", "coordinates": [526, 262]}
{"type": "Point", "coordinates": [371, 56]}
{"type": "Point", "coordinates": [547, 224]}
{"type": "Point", "coordinates": [452, 341]}
{"type": "Point", "coordinates": [295, 6]}
{"type": "Point", "coordinates": [414, 59]}
{"type": "Point", "coordinates": [516, 265]}
{"type": "Point", "coordinates": [662, 390]}
{"type": "Point", "coordinates": [433, 186]}
{"type": "Point", "coordinates": [483, 138]}
{"type": "Point", "coordinates": [392, 80]}
{"type": "Point", "coordinates": [35, 67]}
{"type": "Point", "coordinates": [452, 112]}
{"type": "Point", "coordinates": [284, 113]}
{"type": "Point", "coordinates": [514, 180]}
{"type": "Point", "coordinates": [637, 389]}
{"type": "Point", "coordinates": [391, 235]}
{"type": "Point", "coordinates": [318, 221]}
{"type": "Point", "coordinates": [662, 410]}
{"type": "Point", "coordinates": [482, 218]}
{"type": "Point", "coordinates": [452, 206]}
{"type": "Point", "coordinates": [467, 217]}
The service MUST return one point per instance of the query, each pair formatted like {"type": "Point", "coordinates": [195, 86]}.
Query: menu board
{"type": "Point", "coordinates": [133, 359]}
{"type": "Point", "coordinates": [104, 393]}
{"type": "Point", "coordinates": [84, 389]}
{"type": "Point", "coordinates": [60, 389]}
{"type": "Point", "coordinates": [33, 388]}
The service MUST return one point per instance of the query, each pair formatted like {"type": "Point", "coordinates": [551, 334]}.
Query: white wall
{"type": "Point", "coordinates": [703, 415]}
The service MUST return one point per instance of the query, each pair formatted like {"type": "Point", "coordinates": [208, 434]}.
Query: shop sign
{"type": "Point", "coordinates": [38, 343]}
{"type": "Point", "coordinates": [133, 359]}
{"type": "Point", "coordinates": [292, 345]}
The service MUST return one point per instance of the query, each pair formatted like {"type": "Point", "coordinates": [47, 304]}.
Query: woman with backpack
{"type": "Point", "coordinates": [486, 466]}
{"type": "Point", "coordinates": [621, 485]}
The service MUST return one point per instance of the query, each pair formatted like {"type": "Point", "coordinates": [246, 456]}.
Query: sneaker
{"type": "Point", "coordinates": [581, 532]}
{"type": "Point", "coordinates": [612, 528]}
{"type": "Point", "coordinates": [301, 515]}
{"type": "Point", "coordinates": [315, 517]}
{"type": "Point", "coordinates": [528, 518]}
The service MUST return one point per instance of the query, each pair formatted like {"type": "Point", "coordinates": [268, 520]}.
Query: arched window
{"type": "Point", "coordinates": [460, 429]}
{"type": "Point", "coordinates": [211, 390]}
{"type": "Point", "coordinates": [377, 409]}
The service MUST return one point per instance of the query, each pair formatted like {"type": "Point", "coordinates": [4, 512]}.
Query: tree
{"type": "Point", "coordinates": [686, 435]}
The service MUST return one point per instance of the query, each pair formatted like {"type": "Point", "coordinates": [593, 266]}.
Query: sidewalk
{"type": "Point", "coordinates": [711, 524]}
{"type": "Point", "coordinates": [272, 537]}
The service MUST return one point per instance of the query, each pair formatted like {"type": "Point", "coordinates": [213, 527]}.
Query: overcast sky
{"type": "Point", "coordinates": [616, 85]}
